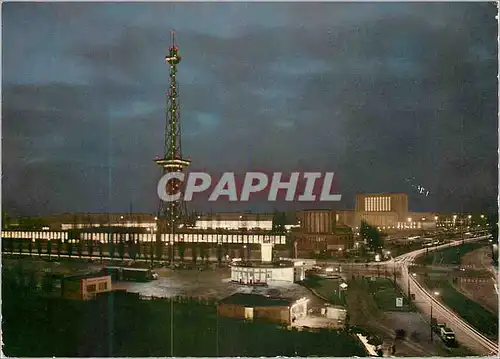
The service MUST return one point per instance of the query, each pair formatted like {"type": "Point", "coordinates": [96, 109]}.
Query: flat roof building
{"type": "Point", "coordinates": [264, 308]}
{"type": "Point", "coordinates": [85, 287]}
{"type": "Point", "coordinates": [319, 232]}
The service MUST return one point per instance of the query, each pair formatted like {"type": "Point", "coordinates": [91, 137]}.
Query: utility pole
{"type": "Point", "coordinates": [409, 292]}
{"type": "Point", "coordinates": [432, 337]}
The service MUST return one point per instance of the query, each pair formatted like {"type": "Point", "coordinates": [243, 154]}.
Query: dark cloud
{"type": "Point", "coordinates": [377, 93]}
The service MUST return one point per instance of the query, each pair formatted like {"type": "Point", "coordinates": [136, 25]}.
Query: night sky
{"type": "Point", "coordinates": [387, 95]}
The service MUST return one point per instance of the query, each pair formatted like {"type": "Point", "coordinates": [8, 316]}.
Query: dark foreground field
{"type": "Point", "coordinates": [123, 325]}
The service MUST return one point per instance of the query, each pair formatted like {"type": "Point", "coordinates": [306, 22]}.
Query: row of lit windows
{"type": "Point", "coordinates": [250, 270]}
{"type": "Point", "coordinates": [143, 237]}
{"type": "Point", "coordinates": [200, 224]}
{"type": "Point", "coordinates": [66, 226]}
{"type": "Point", "coordinates": [206, 224]}
{"type": "Point", "coordinates": [412, 225]}
{"type": "Point", "coordinates": [35, 235]}
{"type": "Point", "coordinates": [377, 204]}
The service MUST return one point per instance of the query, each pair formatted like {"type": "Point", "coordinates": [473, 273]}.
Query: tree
{"type": "Point", "coordinates": [182, 250]}
{"type": "Point", "coordinates": [11, 245]}
{"type": "Point", "coordinates": [219, 254]}
{"type": "Point", "coordinates": [274, 254]}
{"type": "Point", "coordinates": [39, 247]}
{"type": "Point", "coordinates": [59, 248]}
{"type": "Point", "coordinates": [69, 248]}
{"type": "Point", "coordinates": [49, 248]}
{"type": "Point", "coordinates": [138, 249]}
{"type": "Point", "coordinates": [372, 237]}
{"type": "Point", "coordinates": [20, 244]}
{"type": "Point", "coordinates": [30, 247]}
{"type": "Point", "coordinates": [290, 244]}
{"type": "Point", "coordinates": [279, 222]}
{"type": "Point", "coordinates": [132, 253]}
{"type": "Point", "coordinates": [203, 253]}
{"type": "Point", "coordinates": [121, 247]}
{"type": "Point", "coordinates": [159, 250]}
{"type": "Point", "coordinates": [111, 247]}
{"type": "Point", "coordinates": [90, 248]}
{"type": "Point", "coordinates": [194, 253]}
{"type": "Point", "coordinates": [80, 248]}
{"type": "Point", "coordinates": [101, 250]}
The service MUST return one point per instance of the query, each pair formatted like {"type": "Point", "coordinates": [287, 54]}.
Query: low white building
{"type": "Point", "coordinates": [261, 274]}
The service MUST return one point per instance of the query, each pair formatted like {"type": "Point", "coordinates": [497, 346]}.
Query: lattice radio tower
{"type": "Point", "coordinates": [171, 215]}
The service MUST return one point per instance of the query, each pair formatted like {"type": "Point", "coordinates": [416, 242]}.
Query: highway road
{"type": "Point", "coordinates": [464, 332]}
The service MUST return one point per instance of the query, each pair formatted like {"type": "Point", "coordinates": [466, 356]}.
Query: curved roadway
{"type": "Point", "coordinates": [464, 332]}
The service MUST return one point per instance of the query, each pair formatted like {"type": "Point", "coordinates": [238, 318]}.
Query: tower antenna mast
{"type": "Point", "coordinates": [171, 215]}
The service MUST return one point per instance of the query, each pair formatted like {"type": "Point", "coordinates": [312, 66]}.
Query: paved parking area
{"type": "Point", "coordinates": [211, 284]}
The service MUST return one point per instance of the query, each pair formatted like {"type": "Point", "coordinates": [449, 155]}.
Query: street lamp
{"type": "Point", "coordinates": [432, 300]}
{"type": "Point", "coordinates": [408, 284]}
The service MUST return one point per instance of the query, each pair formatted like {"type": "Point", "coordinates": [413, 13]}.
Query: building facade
{"type": "Point", "coordinates": [258, 307]}
{"type": "Point", "coordinates": [235, 221]}
{"type": "Point", "coordinates": [346, 218]}
{"type": "Point", "coordinates": [228, 221]}
{"type": "Point", "coordinates": [381, 209]}
{"type": "Point", "coordinates": [85, 287]}
{"type": "Point", "coordinates": [192, 236]}
{"type": "Point", "coordinates": [261, 274]}
{"type": "Point", "coordinates": [319, 233]}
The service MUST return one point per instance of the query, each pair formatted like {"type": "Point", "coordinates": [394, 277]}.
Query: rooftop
{"type": "Point", "coordinates": [236, 216]}
{"type": "Point", "coordinates": [86, 276]}
{"type": "Point", "coordinates": [277, 264]}
{"type": "Point", "coordinates": [256, 300]}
